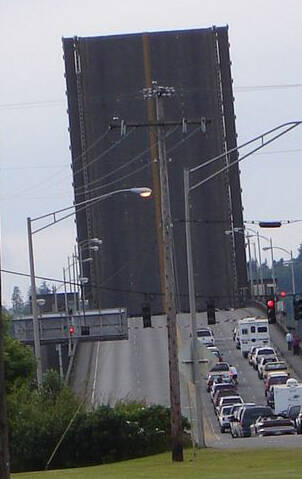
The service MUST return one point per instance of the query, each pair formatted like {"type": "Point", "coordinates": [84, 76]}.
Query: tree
{"type": "Point", "coordinates": [17, 301]}
{"type": "Point", "coordinates": [44, 288]}
{"type": "Point", "coordinates": [299, 257]}
{"type": "Point", "coordinates": [19, 360]}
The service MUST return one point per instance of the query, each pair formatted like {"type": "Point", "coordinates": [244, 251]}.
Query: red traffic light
{"type": "Point", "coordinates": [270, 303]}
{"type": "Point", "coordinates": [282, 294]}
{"type": "Point", "coordinates": [71, 329]}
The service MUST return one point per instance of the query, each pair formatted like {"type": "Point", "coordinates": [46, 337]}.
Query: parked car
{"type": "Point", "coordinates": [265, 360]}
{"type": "Point", "coordinates": [249, 415]}
{"type": "Point", "coordinates": [236, 338]}
{"type": "Point", "coordinates": [251, 353]}
{"type": "Point", "coordinates": [264, 351]}
{"type": "Point", "coordinates": [237, 413]}
{"type": "Point", "coordinates": [293, 412]}
{"type": "Point", "coordinates": [234, 333]}
{"type": "Point", "coordinates": [273, 426]}
{"type": "Point", "coordinates": [270, 400]}
{"type": "Point", "coordinates": [216, 352]}
{"type": "Point", "coordinates": [225, 416]}
{"type": "Point", "coordinates": [220, 367]}
{"type": "Point", "coordinates": [278, 366]}
{"type": "Point", "coordinates": [274, 378]}
{"type": "Point", "coordinates": [222, 393]}
{"type": "Point", "coordinates": [217, 377]}
{"type": "Point", "coordinates": [206, 336]}
{"type": "Point", "coordinates": [228, 401]}
{"type": "Point", "coordinates": [221, 387]}
{"type": "Point", "coordinates": [299, 422]}
{"type": "Point", "coordinates": [237, 407]}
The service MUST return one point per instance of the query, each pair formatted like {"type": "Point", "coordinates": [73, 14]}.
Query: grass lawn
{"type": "Point", "coordinates": [207, 464]}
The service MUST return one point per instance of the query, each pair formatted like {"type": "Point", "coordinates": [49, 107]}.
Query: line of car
{"type": "Point", "coordinates": [245, 419]}
{"type": "Point", "coordinates": [274, 372]}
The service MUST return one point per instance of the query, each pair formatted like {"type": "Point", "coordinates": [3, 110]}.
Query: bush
{"type": "Point", "coordinates": [38, 420]}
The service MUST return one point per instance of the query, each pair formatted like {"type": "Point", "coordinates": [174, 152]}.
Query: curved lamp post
{"type": "Point", "coordinates": [144, 192]}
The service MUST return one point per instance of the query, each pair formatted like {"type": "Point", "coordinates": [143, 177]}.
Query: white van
{"type": "Point", "coordinates": [252, 332]}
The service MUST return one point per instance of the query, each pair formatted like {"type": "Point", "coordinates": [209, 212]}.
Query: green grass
{"type": "Point", "coordinates": [207, 464]}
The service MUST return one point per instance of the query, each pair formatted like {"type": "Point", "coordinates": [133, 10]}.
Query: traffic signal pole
{"type": "Point", "coordinates": [195, 347]}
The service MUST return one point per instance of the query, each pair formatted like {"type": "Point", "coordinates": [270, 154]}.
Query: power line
{"type": "Point", "coordinates": [62, 102]}
{"type": "Point", "coordinates": [147, 165]}
{"type": "Point", "coordinates": [118, 290]}
{"type": "Point", "coordinates": [124, 165]}
{"type": "Point", "coordinates": [101, 155]}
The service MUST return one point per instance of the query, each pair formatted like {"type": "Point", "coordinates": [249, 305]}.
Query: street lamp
{"type": "Point", "coordinates": [144, 192]}
{"type": "Point", "coordinates": [256, 233]}
{"type": "Point", "coordinates": [92, 245]}
{"type": "Point", "coordinates": [250, 272]}
{"type": "Point", "coordinates": [291, 263]}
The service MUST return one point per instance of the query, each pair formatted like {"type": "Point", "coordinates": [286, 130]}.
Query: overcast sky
{"type": "Point", "coordinates": [35, 174]}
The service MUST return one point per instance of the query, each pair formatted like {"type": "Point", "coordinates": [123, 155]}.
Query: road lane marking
{"type": "Point", "coordinates": [95, 373]}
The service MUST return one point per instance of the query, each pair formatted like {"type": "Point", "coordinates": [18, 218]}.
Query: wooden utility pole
{"type": "Point", "coordinates": [158, 92]}
{"type": "Point", "coordinates": [170, 298]}
{"type": "Point", "coordinates": [4, 454]}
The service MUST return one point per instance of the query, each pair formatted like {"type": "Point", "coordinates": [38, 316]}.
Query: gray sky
{"type": "Point", "coordinates": [35, 174]}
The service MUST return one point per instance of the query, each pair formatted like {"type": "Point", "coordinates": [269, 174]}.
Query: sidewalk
{"type": "Point", "coordinates": [278, 340]}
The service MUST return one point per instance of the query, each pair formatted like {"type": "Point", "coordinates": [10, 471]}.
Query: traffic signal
{"type": "Point", "coordinates": [146, 312]}
{"type": "Point", "coordinates": [271, 311]}
{"type": "Point", "coordinates": [71, 330]}
{"type": "Point", "coordinates": [298, 309]}
{"type": "Point", "coordinates": [211, 313]}
{"type": "Point", "coordinates": [282, 294]}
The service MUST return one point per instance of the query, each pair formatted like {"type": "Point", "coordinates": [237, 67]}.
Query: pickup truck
{"type": "Point", "coordinates": [265, 360]}
{"type": "Point", "coordinates": [276, 367]}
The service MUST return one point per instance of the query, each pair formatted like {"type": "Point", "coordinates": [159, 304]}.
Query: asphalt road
{"type": "Point", "coordinates": [137, 369]}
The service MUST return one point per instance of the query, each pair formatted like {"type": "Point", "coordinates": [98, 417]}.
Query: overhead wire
{"type": "Point", "coordinates": [118, 290]}
{"type": "Point", "coordinates": [124, 165]}
{"type": "Point", "coordinates": [49, 179]}
{"type": "Point", "coordinates": [62, 102]}
{"type": "Point", "coordinates": [187, 137]}
{"type": "Point", "coordinates": [104, 153]}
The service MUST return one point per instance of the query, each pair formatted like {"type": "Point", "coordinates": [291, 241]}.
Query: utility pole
{"type": "Point", "coordinates": [4, 454]}
{"type": "Point", "coordinates": [170, 299]}
{"type": "Point", "coordinates": [158, 92]}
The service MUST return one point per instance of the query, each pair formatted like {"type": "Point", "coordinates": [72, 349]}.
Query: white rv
{"type": "Point", "coordinates": [252, 332]}
{"type": "Point", "coordinates": [286, 395]}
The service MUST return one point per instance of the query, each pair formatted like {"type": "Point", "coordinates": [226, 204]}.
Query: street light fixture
{"type": "Point", "coordinates": [290, 253]}
{"type": "Point", "coordinates": [248, 236]}
{"type": "Point", "coordinates": [93, 245]}
{"type": "Point", "coordinates": [250, 273]}
{"type": "Point", "coordinates": [144, 192]}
